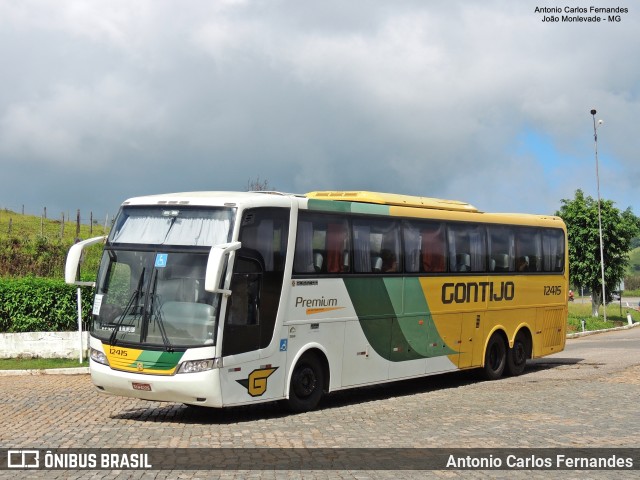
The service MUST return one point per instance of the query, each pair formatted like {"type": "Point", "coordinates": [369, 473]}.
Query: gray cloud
{"type": "Point", "coordinates": [115, 99]}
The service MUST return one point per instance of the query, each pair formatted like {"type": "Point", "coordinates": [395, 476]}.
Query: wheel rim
{"type": "Point", "coordinates": [519, 353]}
{"type": "Point", "coordinates": [306, 382]}
{"type": "Point", "coordinates": [495, 357]}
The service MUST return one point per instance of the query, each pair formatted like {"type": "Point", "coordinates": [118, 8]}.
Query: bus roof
{"type": "Point", "coordinates": [394, 200]}
{"type": "Point", "coordinates": [400, 205]}
{"type": "Point", "coordinates": [211, 198]}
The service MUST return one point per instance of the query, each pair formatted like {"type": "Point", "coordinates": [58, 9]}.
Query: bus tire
{"type": "Point", "coordinates": [517, 356]}
{"type": "Point", "coordinates": [495, 358]}
{"type": "Point", "coordinates": [307, 384]}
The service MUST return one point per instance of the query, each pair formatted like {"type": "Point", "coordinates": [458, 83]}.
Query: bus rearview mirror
{"type": "Point", "coordinates": [74, 256]}
{"type": "Point", "coordinates": [215, 266]}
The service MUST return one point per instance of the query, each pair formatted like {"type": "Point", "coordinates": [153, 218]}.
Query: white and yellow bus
{"type": "Point", "coordinates": [219, 298]}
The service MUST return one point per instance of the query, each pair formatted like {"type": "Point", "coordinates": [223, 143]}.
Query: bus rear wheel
{"type": "Point", "coordinates": [495, 358]}
{"type": "Point", "coordinates": [307, 384]}
{"type": "Point", "coordinates": [517, 356]}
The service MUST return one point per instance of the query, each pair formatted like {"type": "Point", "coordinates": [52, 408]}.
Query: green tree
{"type": "Point", "coordinates": [618, 229]}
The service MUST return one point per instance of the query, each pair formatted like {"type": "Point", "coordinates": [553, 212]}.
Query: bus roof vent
{"type": "Point", "coordinates": [393, 199]}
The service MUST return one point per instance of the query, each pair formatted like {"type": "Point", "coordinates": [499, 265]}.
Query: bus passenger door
{"type": "Point", "coordinates": [256, 287]}
{"type": "Point", "coordinates": [242, 323]}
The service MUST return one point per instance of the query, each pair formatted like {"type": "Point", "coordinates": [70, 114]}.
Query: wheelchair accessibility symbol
{"type": "Point", "coordinates": [161, 260]}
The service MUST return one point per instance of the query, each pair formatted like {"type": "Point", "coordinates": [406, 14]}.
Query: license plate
{"type": "Point", "coordinates": [141, 386]}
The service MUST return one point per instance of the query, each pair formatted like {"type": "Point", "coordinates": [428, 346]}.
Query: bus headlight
{"type": "Point", "coordinates": [98, 356]}
{"type": "Point", "coordinates": [194, 366]}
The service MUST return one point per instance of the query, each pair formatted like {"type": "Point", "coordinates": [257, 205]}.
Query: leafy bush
{"type": "Point", "coordinates": [632, 282]}
{"type": "Point", "coordinates": [33, 304]}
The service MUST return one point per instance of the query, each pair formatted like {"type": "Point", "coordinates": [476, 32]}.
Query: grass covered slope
{"type": "Point", "coordinates": [33, 245]}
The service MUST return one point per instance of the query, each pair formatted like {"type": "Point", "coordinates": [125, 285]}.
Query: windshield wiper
{"type": "Point", "coordinates": [132, 300]}
{"type": "Point", "coordinates": [157, 314]}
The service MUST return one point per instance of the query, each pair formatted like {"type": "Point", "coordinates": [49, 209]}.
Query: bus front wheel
{"type": "Point", "coordinates": [307, 383]}
{"type": "Point", "coordinates": [495, 358]}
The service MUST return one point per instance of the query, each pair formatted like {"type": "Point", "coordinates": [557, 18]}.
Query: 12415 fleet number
{"type": "Point", "coordinates": [553, 290]}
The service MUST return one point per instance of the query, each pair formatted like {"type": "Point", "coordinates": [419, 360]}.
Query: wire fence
{"type": "Point", "coordinates": [54, 223]}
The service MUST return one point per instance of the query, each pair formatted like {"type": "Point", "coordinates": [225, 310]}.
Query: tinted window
{"type": "Point", "coordinates": [322, 244]}
{"type": "Point", "coordinates": [467, 248]}
{"type": "Point", "coordinates": [553, 250]}
{"type": "Point", "coordinates": [528, 250]}
{"type": "Point", "coordinates": [376, 246]}
{"type": "Point", "coordinates": [424, 247]}
{"type": "Point", "coordinates": [501, 249]}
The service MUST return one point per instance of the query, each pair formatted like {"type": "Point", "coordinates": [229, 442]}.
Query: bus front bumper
{"type": "Point", "coordinates": [202, 388]}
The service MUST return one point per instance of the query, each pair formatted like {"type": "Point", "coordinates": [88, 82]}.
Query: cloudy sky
{"type": "Point", "coordinates": [474, 100]}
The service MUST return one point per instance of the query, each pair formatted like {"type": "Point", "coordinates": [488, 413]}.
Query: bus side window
{"type": "Point", "coordinates": [412, 242]}
{"type": "Point", "coordinates": [467, 248]}
{"type": "Point", "coordinates": [322, 244]}
{"type": "Point", "coordinates": [362, 248]}
{"type": "Point", "coordinates": [553, 250]}
{"type": "Point", "coordinates": [528, 250]}
{"type": "Point", "coordinates": [376, 245]}
{"type": "Point", "coordinates": [501, 249]}
{"type": "Point", "coordinates": [265, 230]}
{"type": "Point", "coordinates": [303, 261]}
{"type": "Point", "coordinates": [337, 247]}
{"type": "Point", "coordinates": [425, 247]}
{"type": "Point", "coordinates": [434, 248]}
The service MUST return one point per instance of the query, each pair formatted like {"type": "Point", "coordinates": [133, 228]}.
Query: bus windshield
{"type": "Point", "coordinates": [150, 286]}
{"type": "Point", "coordinates": [172, 226]}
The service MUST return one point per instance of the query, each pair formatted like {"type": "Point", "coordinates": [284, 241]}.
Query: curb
{"type": "Point", "coordinates": [593, 332]}
{"type": "Point", "coordinates": [46, 371]}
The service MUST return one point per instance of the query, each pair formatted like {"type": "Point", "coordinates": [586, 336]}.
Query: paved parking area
{"type": "Point", "coordinates": [586, 396]}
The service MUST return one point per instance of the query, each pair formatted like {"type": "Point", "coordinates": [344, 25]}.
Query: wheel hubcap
{"type": "Point", "coordinates": [306, 383]}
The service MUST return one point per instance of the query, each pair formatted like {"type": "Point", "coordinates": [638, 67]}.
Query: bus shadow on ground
{"type": "Point", "coordinates": [549, 363]}
{"type": "Point", "coordinates": [400, 388]}
{"type": "Point", "coordinates": [178, 413]}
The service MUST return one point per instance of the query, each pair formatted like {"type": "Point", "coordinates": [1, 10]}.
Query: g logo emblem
{"type": "Point", "coordinates": [256, 383]}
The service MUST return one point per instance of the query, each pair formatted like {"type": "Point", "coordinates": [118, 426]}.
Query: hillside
{"type": "Point", "coordinates": [634, 264]}
{"type": "Point", "coordinates": [33, 245]}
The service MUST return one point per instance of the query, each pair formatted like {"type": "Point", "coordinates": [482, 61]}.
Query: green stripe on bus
{"type": "Point", "coordinates": [158, 360]}
{"type": "Point", "coordinates": [417, 311]}
{"type": "Point", "coordinates": [347, 207]}
{"type": "Point", "coordinates": [328, 205]}
{"type": "Point", "coordinates": [380, 304]}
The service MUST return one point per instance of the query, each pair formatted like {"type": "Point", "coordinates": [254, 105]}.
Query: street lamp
{"type": "Point", "coordinates": [595, 141]}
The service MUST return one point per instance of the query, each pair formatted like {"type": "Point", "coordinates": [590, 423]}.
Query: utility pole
{"type": "Point", "coordinates": [595, 141]}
